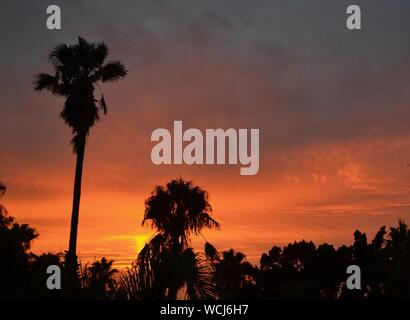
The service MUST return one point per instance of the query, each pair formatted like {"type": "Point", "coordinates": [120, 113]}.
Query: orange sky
{"type": "Point", "coordinates": [332, 108]}
{"type": "Point", "coordinates": [320, 193]}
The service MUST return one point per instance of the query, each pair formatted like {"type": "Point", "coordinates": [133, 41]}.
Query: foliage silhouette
{"type": "Point", "coordinates": [15, 240]}
{"type": "Point", "coordinates": [177, 212]}
{"type": "Point", "coordinates": [232, 274]}
{"type": "Point", "coordinates": [78, 68]}
{"type": "Point", "coordinates": [98, 280]}
{"type": "Point", "coordinates": [23, 274]}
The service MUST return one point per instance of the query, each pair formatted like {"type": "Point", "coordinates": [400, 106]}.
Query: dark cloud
{"type": "Point", "coordinates": [291, 69]}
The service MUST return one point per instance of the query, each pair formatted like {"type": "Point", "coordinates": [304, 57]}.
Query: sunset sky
{"type": "Point", "coordinates": [332, 106]}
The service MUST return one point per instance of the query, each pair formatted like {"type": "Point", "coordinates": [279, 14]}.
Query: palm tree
{"type": "Point", "coordinates": [178, 211]}
{"type": "Point", "coordinates": [98, 278]}
{"type": "Point", "coordinates": [78, 68]}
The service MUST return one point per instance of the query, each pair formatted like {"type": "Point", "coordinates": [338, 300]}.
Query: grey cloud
{"type": "Point", "coordinates": [289, 68]}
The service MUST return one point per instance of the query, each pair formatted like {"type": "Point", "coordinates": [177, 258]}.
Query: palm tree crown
{"type": "Point", "coordinates": [177, 211]}
{"type": "Point", "coordinates": [77, 69]}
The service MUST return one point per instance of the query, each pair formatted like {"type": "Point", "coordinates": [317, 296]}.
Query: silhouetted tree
{"type": "Point", "coordinates": [234, 276]}
{"type": "Point", "coordinates": [178, 211]}
{"type": "Point", "coordinates": [15, 241]}
{"type": "Point", "coordinates": [78, 68]}
{"type": "Point", "coordinates": [398, 271]}
{"type": "Point", "coordinates": [23, 275]}
{"type": "Point", "coordinates": [38, 276]}
{"type": "Point", "coordinates": [98, 280]}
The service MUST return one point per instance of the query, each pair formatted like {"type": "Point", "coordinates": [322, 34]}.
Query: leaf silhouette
{"type": "Point", "coordinates": [103, 105]}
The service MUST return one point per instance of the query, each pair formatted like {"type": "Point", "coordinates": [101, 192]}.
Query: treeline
{"type": "Point", "coordinates": [302, 270]}
{"type": "Point", "coordinates": [299, 270]}
{"type": "Point", "coordinates": [169, 268]}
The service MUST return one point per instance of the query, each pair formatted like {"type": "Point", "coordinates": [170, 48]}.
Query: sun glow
{"type": "Point", "coordinates": [140, 240]}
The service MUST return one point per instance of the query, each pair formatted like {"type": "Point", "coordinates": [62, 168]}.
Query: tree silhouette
{"type": "Point", "coordinates": [78, 68]}
{"type": "Point", "coordinates": [177, 212]}
{"type": "Point", "coordinates": [15, 241]}
{"type": "Point", "coordinates": [233, 275]}
{"type": "Point", "coordinates": [98, 279]}
{"type": "Point", "coordinates": [398, 246]}
{"type": "Point", "coordinates": [38, 275]}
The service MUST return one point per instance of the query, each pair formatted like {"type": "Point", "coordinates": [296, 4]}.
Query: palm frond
{"type": "Point", "coordinates": [211, 252]}
{"type": "Point", "coordinates": [110, 72]}
{"type": "Point", "coordinates": [3, 210]}
{"type": "Point", "coordinates": [44, 81]}
{"type": "Point", "coordinates": [3, 189]}
{"type": "Point", "coordinates": [199, 277]}
{"type": "Point", "coordinates": [208, 221]}
{"type": "Point", "coordinates": [100, 53]}
{"type": "Point", "coordinates": [139, 283]}
{"type": "Point", "coordinates": [103, 105]}
{"type": "Point", "coordinates": [62, 54]}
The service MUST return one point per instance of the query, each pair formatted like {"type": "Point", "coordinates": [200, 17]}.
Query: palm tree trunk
{"type": "Point", "coordinates": [72, 251]}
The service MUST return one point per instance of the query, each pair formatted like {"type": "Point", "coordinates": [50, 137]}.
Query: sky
{"type": "Point", "coordinates": [332, 107]}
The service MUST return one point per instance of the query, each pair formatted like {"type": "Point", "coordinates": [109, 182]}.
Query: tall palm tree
{"type": "Point", "coordinates": [78, 68]}
{"type": "Point", "coordinates": [178, 211]}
